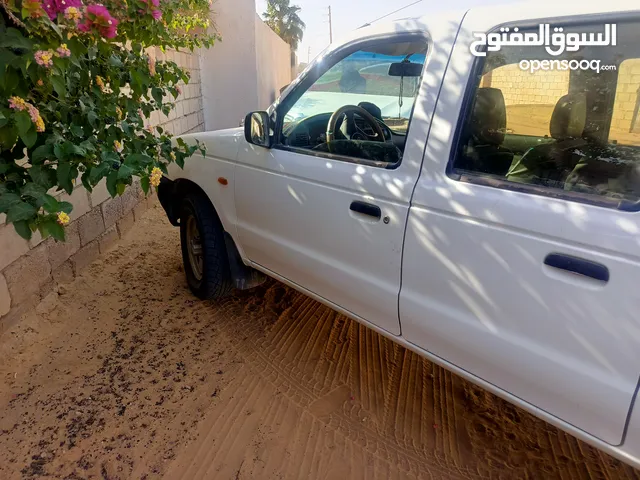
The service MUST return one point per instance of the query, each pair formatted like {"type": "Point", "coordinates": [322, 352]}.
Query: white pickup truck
{"type": "Point", "coordinates": [466, 184]}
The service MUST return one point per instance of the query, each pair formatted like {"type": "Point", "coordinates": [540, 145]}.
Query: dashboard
{"type": "Point", "coordinates": [311, 131]}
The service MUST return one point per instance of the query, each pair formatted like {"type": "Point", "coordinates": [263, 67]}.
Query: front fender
{"type": "Point", "coordinates": [213, 173]}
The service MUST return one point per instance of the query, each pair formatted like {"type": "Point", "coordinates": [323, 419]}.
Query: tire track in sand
{"type": "Point", "coordinates": [320, 396]}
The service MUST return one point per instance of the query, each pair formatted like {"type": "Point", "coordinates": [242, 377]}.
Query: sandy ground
{"type": "Point", "coordinates": [125, 374]}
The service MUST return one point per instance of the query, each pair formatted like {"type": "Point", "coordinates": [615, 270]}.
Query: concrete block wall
{"type": "Point", "coordinates": [30, 270]}
{"type": "Point", "coordinates": [188, 115]}
{"type": "Point", "coordinates": [521, 87]}
{"type": "Point", "coordinates": [627, 96]}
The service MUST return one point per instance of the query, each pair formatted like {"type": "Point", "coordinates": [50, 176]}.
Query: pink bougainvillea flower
{"type": "Point", "coordinates": [98, 18]}
{"type": "Point", "coordinates": [44, 58]}
{"type": "Point", "coordinates": [178, 89]}
{"type": "Point", "coordinates": [62, 51]}
{"type": "Point", "coordinates": [153, 9]}
{"type": "Point", "coordinates": [53, 7]}
{"type": "Point", "coordinates": [62, 5]}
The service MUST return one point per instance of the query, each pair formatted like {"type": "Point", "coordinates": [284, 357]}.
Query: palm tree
{"type": "Point", "coordinates": [284, 20]}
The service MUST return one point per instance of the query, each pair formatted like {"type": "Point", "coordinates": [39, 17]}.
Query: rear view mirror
{"type": "Point", "coordinates": [405, 69]}
{"type": "Point", "coordinates": [256, 129]}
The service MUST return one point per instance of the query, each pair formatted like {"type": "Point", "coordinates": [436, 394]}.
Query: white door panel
{"type": "Point", "coordinates": [313, 238]}
{"type": "Point", "coordinates": [482, 298]}
{"type": "Point", "coordinates": [293, 208]}
{"type": "Point", "coordinates": [476, 291]}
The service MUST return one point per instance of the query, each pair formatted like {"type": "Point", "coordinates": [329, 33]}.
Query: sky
{"type": "Point", "coordinates": [347, 15]}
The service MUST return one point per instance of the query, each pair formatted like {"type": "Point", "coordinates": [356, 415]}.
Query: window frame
{"type": "Point", "coordinates": [488, 180]}
{"type": "Point", "coordinates": [329, 61]}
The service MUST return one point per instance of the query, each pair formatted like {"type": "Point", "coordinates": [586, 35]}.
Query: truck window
{"type": "Point", "coordinates": [567, 128]}
{"type": "Point", "coordinates": [371, 78]}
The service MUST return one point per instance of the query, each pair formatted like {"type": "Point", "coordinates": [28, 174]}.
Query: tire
{"type": "Point", "coordinates": [208, 273]}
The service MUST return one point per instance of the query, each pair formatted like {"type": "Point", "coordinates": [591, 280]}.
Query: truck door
{"type": "Point", "coordinates": [522, 252]}
{"type": "Point", "coordinates": [329, 216]}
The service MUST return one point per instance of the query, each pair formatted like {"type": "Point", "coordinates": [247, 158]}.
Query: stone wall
{"type": "Point", "coordinates": [521, 87]}
{"type": "Point", "coordinates": [624, 127]}
{"type": "Point", "coordinates": [30, 270]}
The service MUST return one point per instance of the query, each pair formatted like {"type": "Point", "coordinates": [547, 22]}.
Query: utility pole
{"type": "Point", "coordinates": [330, 29]}
{"type": "Point", "coordinates": [309, 55]}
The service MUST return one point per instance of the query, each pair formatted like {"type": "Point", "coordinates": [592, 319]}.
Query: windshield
{"type": "Point", "coordinates": [363, 77]}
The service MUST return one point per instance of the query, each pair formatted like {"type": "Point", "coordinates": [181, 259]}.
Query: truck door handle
{"type": "Point", "coordinates": [578, 266]}
{"type": "Point", "coordinates": [366, 209]}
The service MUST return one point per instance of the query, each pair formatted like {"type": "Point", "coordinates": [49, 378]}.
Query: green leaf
{"type": "Point", "coordinates": [86, 182]}
{"type": "Point", "coordinates": [157, 94]}
{"type": "Point", "coordinates": [30, 137]}
{"type": "Point", "coordinates": [7, 200]}
{"type": "Point", "coordinates": [8, 135]}
{"type": "Point", "coordinates": [13, 38]}
{"type": "Point", "coordinates": [65, 207]}
{"type": "Point", "coordinates": [115, 61]}
{"type": "Point", "coordinates": [110, 157]}
{"type": "Point", "coordinates": [121, 187]}
{"type": "Point", "coordinates": [126, 128]}
{"type": "Point", "coordinates": [59, 86]}
{"type": "Point", "coordinates": [125, 172]}
{"type": "Point", "coordinates": [98, 172]}
{"type": "Point", "coordinates": [23, 122]}
{"type": "Point", "coordinates": [65, 178]}
{"type": "Point", "coordinates": [22, 228]}
{"type": "Point", "coordinates": [42, 153]}
{"type": "Point", "coordinates": [33, 190]}
{"type": "Point", "coordinates": [43, 175]}
{"type": "Point", "coordinates": [21, 211]}
{"type": "Point", "coordinates": [51, 227]}
{"type": "Point", "coordinates": [3, 120]}
{"type": "Point", "coordinates": [92, 117]}
{"type": "Point", "coordinates": [112, 179]}
{"type": "Point", "coordinates": [144, 183]}
{"type": "Point", "coordinates": [77, 131]}
{"type": "Point", "coordinates": [50, 204]}
{"type": "Point", "coordinates": [138, 159]}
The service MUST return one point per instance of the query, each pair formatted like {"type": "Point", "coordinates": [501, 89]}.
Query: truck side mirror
{"type": "Point", "coordinates": [256, 129]}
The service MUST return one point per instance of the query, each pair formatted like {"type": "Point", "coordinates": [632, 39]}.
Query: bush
{"type": "Point", "coordinates": [76, 84]}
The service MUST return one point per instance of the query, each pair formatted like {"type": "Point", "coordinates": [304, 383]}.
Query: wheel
{"type": "Point", "coordinates": [203, 250]}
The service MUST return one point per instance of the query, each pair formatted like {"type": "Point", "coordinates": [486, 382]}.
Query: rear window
{"type": "Point", "coordinates": [568, 130]}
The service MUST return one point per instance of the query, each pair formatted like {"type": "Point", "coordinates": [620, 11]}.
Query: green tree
{"type": "Point", "coordinates": [77, 81]}
{"type": "Point", "coordinates": [283, 19]}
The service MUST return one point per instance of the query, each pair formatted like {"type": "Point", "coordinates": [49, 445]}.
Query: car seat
{"type": "Point", "coordinates": [550, 164]}
{"type": "Point", "coordinates": [485, 152]}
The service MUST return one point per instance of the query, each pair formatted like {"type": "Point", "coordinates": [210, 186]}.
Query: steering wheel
{"type": "Point", "coordinates": [349, 110]}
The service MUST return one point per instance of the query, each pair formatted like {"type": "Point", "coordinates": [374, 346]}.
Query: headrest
{"type": "Point", "coordinates": [489, 117]}
{"type": "Point", "coordinates": [569, 117]}
{"type": "Point", "coordinates": [374, 110]}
